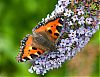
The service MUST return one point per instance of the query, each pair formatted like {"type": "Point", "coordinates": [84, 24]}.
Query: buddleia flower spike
{"type": "Point", "coordinates": [78, 26]}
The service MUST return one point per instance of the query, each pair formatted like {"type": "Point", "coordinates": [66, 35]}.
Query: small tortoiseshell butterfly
{"type": "Point", "coordinates": [43, 39]}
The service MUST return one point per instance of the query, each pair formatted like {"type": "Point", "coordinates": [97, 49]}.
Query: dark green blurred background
{"type": "Point", "coordinates": [17, 18]}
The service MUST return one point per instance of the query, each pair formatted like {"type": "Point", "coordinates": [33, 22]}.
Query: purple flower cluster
{"type": "Point", "coordinates": [77, 30]}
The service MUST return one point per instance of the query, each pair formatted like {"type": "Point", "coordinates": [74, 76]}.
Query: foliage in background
{"type": "Point", "coordinates": [17, 18]}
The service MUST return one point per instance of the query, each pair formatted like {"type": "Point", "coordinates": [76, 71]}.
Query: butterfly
{"type": "Point", "coordinates": [43, 39]}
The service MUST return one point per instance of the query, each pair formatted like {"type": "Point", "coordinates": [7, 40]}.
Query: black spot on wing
{"type": "Point", "coordinates": [39, 53]}
{"type": "Point", "coordinates": [34, 48]}
{"type": "Point", "coordinates": [59, 28]}
{"type": "Point", "coordinates": [26, 58]}
{"type": "Point", "coordinates": [56, 34]}
{"type": "Point", "coordinates": [50, 31]}
{"type": "Point", "coordinates": [60, 21]}
{"type": "Point", "coordinates": [33, 56]}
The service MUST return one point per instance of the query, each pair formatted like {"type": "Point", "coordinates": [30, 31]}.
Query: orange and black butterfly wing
{"type": "Point", "coordinates": [27, 51]}
{"type": "Point", "coordinates": [53, 28]}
